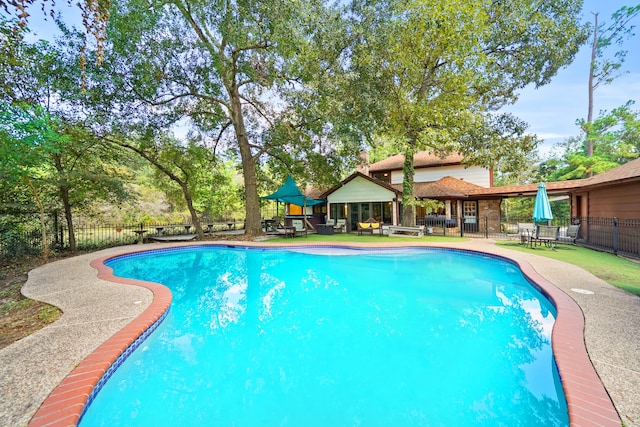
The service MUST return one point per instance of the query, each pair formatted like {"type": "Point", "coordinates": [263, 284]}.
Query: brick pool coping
{"type": "Point", "coordinates": [588, 402]}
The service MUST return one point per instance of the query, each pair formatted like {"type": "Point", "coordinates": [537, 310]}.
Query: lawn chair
{"type": "Point", "coordinates": [571, 235]}
{"type": "Point", "coordinates": [277, 222]}
{"type": "Point", "coordinates": [526, 231]}
{"type": "Point", "coordinates": [300, 228]}
{"type": "Point", "coordinates": [340, 226]}
{"type": "Point", "coordinates": [546, 234]}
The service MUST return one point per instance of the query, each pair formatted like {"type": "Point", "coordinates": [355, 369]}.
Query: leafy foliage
{"type": "Point", "coordinates": [433, 75]}
{"type": "Point", "coordinates": [604, 67]}
{"type": "Point", "coordinates": [615, 138]}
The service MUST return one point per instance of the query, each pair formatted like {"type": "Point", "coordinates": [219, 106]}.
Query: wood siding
{"type": "Point", "coordinates": [360, 190]}
{"type": "Point", "coordinates": [474, 174]}
{"type": "Point", "coordinates": [621, 201]}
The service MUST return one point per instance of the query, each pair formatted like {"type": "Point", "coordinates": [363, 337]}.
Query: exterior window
{"type": "Point", "coordinates": [383, 176]}
{"type": "Point", "coordinates": [338, 210]}
{"type": "Point", "coordinates": [381, 211]}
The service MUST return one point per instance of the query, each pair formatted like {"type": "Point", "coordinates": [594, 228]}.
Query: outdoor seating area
{"type": "Point", "coordinates": [333, 226]}
{"type": "Point", "coordinates": [545, 234]}
{"type": "Point", "coordinates": [299, 228]}
{"type": "Point", "coordinates": [571, 234]}
{"type": "Point", "coordinates": [369, 226]}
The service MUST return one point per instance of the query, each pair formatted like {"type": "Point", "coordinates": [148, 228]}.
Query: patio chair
{"type": "Point", "coordinates": [277, 222]}
{"type": "Point", "coordinates": [340, 226]}
{"type": "Point", "coordinates": [300, 228]}
{"type": "Point", "coordinates": [546, 234]}
{"type": "Point", "coordinates": [572, 234]}
{"type": "Point", "coordinates": [526, 231]}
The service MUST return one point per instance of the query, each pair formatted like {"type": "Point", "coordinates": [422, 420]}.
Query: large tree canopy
{"type": "Point", "coordinates": [431, 75]}
{"type": "Point", "coordinates": [229, 70]}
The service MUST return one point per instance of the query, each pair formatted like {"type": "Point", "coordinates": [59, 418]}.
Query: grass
{"type": "Point", "coordinates": [354, 238]}
{"type": "Point", "coordinates": [20, 316]}
{"type": "Point", "coordinates": [617, 271]}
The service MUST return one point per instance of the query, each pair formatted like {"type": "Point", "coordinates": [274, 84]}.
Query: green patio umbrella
{"type": "Point", "coordinates": [542, 208]}
{"type": "Point", "coordinates": [290, 193]}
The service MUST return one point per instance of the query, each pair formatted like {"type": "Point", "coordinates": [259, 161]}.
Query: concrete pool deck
{"type": "Point", "coordinates": [96, 309]}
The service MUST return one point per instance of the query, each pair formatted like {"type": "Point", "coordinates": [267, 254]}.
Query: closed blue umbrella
{"type": "Point", "coordinates": [542, 208]}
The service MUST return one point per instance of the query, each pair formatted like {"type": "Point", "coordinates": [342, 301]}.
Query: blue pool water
{"type": "Point", "coordinates": [337, 338]}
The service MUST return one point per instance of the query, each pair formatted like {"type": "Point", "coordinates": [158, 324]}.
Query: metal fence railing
{"type": "Point", "coordinates": [618, 236]}
{"type": "Point", "coordinates": [23, 237]}
{"type": "Point", "coordinates": [482, 226]}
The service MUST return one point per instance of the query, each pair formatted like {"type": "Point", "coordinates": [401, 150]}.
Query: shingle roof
{"type": "Point", "coordinates": [628, 170]}
{"type": "Point", "coordinates": [445, 188]}
{"type": "Point", "coordinates": [528, 189]}
{"type": "Point", "coordinates": [420, 159]}
{"type": "Point", "coordinates": [449, 187]}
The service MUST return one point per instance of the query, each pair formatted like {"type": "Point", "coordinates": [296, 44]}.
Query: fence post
{"type": "Point", "coordinates": [615, 235]}
{"type": "Point", "coordinates": [461, 225]}
{"type": "Point", "coordinates": [486, 227]}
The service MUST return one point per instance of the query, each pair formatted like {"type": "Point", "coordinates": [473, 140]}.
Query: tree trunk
{"type": "Point", "coordinates": [63, 188]}
{"type": "Point", "coordinates": [64, 195]}
{"type": "Point", "coordinates": [252, 201]}
{"type": "Point", "coordinates": [194, 215]}
{"type": "Point", "coordinates": [408, 199]}
{"type": "Point", "coordinates": [594, 50]}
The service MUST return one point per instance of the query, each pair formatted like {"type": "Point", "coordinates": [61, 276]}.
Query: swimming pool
{"type": "Point", "coordinates": [309, 337]}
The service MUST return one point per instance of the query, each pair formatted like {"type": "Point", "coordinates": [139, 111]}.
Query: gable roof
{"type": "Point", "coordinates": [421, 159]}
{"type": "Point", "coordinates": [454, 188]}
{"type": "Point", "coordinates": [630, 170]}
{"type": "Point", "coordinates": [361, 175]}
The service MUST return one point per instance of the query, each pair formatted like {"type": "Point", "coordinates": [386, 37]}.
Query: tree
{"type": "Point", "coordinates": [182, 164]}
{"type": "Point", "coordinates": [27, 138]}
{"type": "Point", "coordinates": [433, 74]}
{"type": "Point", "coordinates": [95, 16]}
{"type": "Point", "coordinates": [225, 68]}
{"type": "Point", "coordinates": [78, 167]}
{"type": "Point", "coordinates": [602, 69]}
{"type": "Point", "coordinates": [617, 133]}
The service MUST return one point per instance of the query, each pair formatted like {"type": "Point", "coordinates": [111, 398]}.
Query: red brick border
{"type": "Point", "coordinates": [588, 402]}
{"type": "Point", "coordinates": [66, 402]}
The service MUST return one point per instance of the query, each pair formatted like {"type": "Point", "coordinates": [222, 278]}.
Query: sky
{"type": "Point", "coordinates": [552, 110]}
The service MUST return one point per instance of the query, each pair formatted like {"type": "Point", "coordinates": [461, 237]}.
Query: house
{"type": "Point", "coordinates": [467, 193]}
{"type": "Point", "coordinates": [376, 191]}
{"type": "Point", "coordinates": [614, 193]}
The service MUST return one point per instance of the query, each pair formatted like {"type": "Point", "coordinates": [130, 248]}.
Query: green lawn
{"type": "Point", "coordinates": [618, 271]}
{"type": "Point", "coordinates": [367, 238]}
